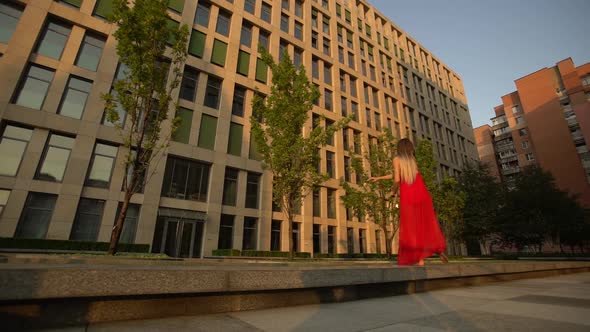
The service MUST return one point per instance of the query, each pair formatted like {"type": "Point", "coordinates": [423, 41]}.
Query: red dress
{"type": "Point", "coordinates": [419, 232]}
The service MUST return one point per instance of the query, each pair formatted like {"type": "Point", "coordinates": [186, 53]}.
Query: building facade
{"type": "Point", "coordinates": [62, 167]}
{"type": "Point", "coordinates": [546, 121]}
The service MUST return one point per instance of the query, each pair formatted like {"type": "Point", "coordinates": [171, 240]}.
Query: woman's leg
{"type": "Point", "coordinates": [443, 257]}
{"type": "Point", "coordinates": [420, 263]}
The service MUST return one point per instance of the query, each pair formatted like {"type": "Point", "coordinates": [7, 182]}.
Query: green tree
{"type": "Point", "coordinates": [277, 127]}
{"type": "Point", "coordinates": [147, 45]}
{"type": "Point", "coordinates": [483, 199]}
{"type": "Point", "coordinates": [447, 198]}
{"type": "Point", "coordinates": [374, 198]}
{"type": "Point", "coordinates": [532, 210]}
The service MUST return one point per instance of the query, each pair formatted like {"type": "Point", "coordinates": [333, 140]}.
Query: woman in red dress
{"type": "Point", "coordinates": [419, 233]}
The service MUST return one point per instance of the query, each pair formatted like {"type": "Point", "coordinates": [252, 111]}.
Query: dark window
{"type": "Point", "coordinates": [101, 165]}
{"type": "Point", "coordinates": [226, 232]}
{"type": "Point", "coordinates": [350, 240]}
{"type": "Point", "coordinates": [238, 101]}
{"type": "Point", "coordinates": [202, 16]}
{"type": "Point", "coordinates": [263, 38]}
{"type": "Point", "coordinates": [13, 143]}
{"type": "Point", "coordinates": [213, 92]}
{"type": "Point", "coordinates": [88, 217]}
{"type": "Point", "coordinates": [252, 189]}
{"type": "Point", "coordinates": [317, 239]}
{"type": "Point", "coordinates": [331, 203]}
{"type": "Point", "coordinates": [298, 30]}
{"type": "Point", "coordinates": [246, 35]}
{"type": "Point", "coordinates": [330, 163]}
{"type": "Point", "coordinates": [362, 241]}
{"type": "Point", "coordinates": [188, 86]}
{"type": "Point", "coordinates": [284, 23]}
{"type": "Point", "coordinates": [265, 12]}
{"type": "Point", "coordinates": [230, 186]}
{"type": "Point", "coordinates": [55, 158]}
{"type": "Point", "coordinates": [275, 235]}
{"type": "Point", "coordinates": [186, 179]}
{"type": "Point", "coordinates": [36, 216]}
{"type": "Point", "coordinates": [317, 207]}
{"type": "Point", "coordinates": [130, 223]}
{"type": "Point", "coordinates": [250, 235]}
{"type": "Point", "coordinates": [331, 239]}
{"type": "Point", "coordinates": [347, 168]}
{"type": "Point", "coordinates": [295, 237]}
{"type": "Point", "coordinates": [378, 241]}
{"type": "Point", "coordinates": [249, 6]}
{"type": "Point", "coordinates": [223, 23]}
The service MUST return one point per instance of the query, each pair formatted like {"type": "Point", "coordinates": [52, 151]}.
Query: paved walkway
{"type": "Point", "coordinates": [549, 304]}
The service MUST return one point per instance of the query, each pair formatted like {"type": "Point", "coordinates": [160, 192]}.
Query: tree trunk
{"type": "Point", "coordinates": [118, 227]}
{"type": "Point", "coordinates": [290, 235]}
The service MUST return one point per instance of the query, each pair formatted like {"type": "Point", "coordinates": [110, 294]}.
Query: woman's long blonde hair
{"type": "Point", "coordinates": [408, 169]}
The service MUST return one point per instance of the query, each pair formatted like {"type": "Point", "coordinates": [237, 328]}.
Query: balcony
{"type": "Point", "coordinates": [511, 170]}
{"type": "Point", "coordinates": [572, 121]}
{"type": "Point", "coordinates": [561, 94]}
{"type": "Point", "coordinates": [508, 158]}
{"type": "Point", "coordinates": [504, 147]}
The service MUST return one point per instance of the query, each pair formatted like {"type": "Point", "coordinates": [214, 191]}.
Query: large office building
{"type": "Point", "coordinates": [61, 162]}
{"type": "Point", "coordinates": [546, 121]}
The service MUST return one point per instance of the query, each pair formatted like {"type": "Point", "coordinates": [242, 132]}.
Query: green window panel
{"type": "Point", "coordinates": [103, 8]}
{"type": "Point", "coordinates": [207, 132]}
{"type": "Point", "coordinates": [243, 63]}
{"type": "Point", "coordinates": [196, 46]}
{"type": "Point", "coordinates": [261, 71]}
{"type": "Point", "coordinates": [176, 5]}
{"type": "Point", "coordinates": [253, 152]}
{"type": "Point", "coordinates": [219, 53]}
{"type": "Point", "coordinates": [183, 132]}
{"type": "Point", "coordinates": [173, 26]}
{"type": "Point", "coordinates": [234, 145]}
{"type": "Point", "coordinates": [75, 3]}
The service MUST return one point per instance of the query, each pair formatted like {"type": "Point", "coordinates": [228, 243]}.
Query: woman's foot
{"type": "Point", "coordinates": [420, 263]}
{"type": "Point", "coordinates": [443, 257]}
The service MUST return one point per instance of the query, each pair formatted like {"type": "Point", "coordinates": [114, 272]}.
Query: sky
{"type": "Point", "coordinates": [492, 43]}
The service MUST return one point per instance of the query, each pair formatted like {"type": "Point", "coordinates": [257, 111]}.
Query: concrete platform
{"type": "Point", "coordinates": [61, 294]}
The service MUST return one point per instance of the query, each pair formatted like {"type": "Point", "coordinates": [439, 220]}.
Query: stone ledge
{"type": "Point", "coordinates": [20, 282]}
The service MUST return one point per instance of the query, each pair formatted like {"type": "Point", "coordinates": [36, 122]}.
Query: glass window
{"type": "Point", "coordinates": [4, 194]}
{"type": "Point", "coordinates": [34, 87]}
{"type": "Point", "coordinates": [243, 63]}
{"type": "Point", "coordinates": [186, 179]}
{"type": "Point", "coordinates": [331, 239]}
{"type": "Point", "coordinates": [275, 235]}
{"type": "Point", "coordinates": [74, 98]}
{"type": "Point", "coordinates": [314, 39]}
{"type": "Point", "coordinates": [263, 38]}
{"type": "Point", "coordinates": [9, 16]}
{"type": "Point", "coordinates": [120, 111]}
{"type": "Point", "coordinates": [266, 12]}
{"type": "Point", "coordinates": [326, 46]}
{"type": "Point", "coordinates": [299, 8]}
{"type": "Point", "coordinates": [88, 217]}
{"type": "Point", "coordinates": [261, 70]}
{"type": "Point", "coordinates": [249, 6]}
{"type": "Point", "coordinates": [202, 15]}
{"type": "Point", "coordinates": [298, 30]}
{"type": "Point", "coordinates": [207, 132]}
{"type": "Point", "coordinates": [226, 232]}
{"type": "Point", "coordinates": [183, 132]}
{"type": "Point", "coordinates": [55, 158]}
{"type": "Point", "coordinates": [285, 4]}
{"type": "Point", "coordinates": [252, 189]}
{"type": "Point", "coordinates": [362, 240]}
{"type": "Point", "coordinates": [196, 45]}
{"type": "Point", "coordinates": [330, 163]}
{"type": "Point", "coordinates": [285, 23]}
{"type": "Point", "coordinates": [327, 74]}
{"type": "Point", "coordinates": [347, 167]}
{"type": "Point", "coordinates": [315, 71]}
{"type": "Point", "coordinates": [234, 145]}
{"type": "Point", "coordinates": [295, 237]}
{"type": "Point", "coordinates": [317, 242]}
{"type": "Point", "coordinates": [219, 53]}
{"type": "Point", "coordinates": [326, 25]}
{"type": "Point", "coordinates": [223, 23]}
{"type": "Point", "coordinates": [317, 207]}
{"type": "Point", "coordinates": [230, 186]}
{"type": "Point", "coordinates": [188, 85]}
{"type": "Point", "coordinates": [53, 39]}
{"type": "Point", "coordinates": [130, 223]}
{"type": "Point", "coordinates": [36, 215]}
{"type": "Point", "coordinates": [13, 143]}
{"type": "Point", "coordinates": [328, 100]}
{"type": "Point", "coordinates": [90, 51]}
{"type": "Point", "coordinates": [213, 92]}
{"type": "Point", "coordinates": [246, 34]}
{"type": "Point", "coordinates": [103, 8]}
{"type": "Point", "coordinates": [101, 165]}
{"type": "Point", "coordinates": [298, 57]}
{"type": "Point", "coordinates": [238, 101]}
{"type": "Point", "coordinates": [250, 235]}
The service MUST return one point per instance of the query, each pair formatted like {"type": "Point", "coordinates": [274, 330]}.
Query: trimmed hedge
{"type": "Point", "coordinates": [46, 244]}
{"type": "Point", "coordinates": [356, 255]}
{"type": "Point", "coordinates": [226, 252]}
{"type": "Point", "coordinates": [257, 253]}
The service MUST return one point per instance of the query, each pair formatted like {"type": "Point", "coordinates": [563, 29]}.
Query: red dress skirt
{"type": "Point", "coordinates": [419, 233]}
